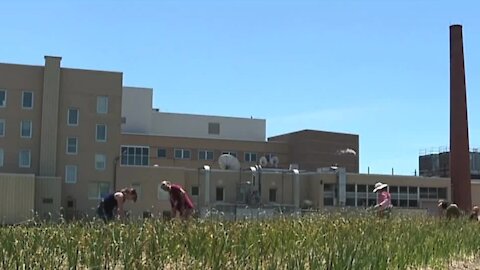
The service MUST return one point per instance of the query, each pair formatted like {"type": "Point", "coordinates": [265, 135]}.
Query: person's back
{"type": "Point", "coordinates": [176, 193]}
{"type": "Point", "coordinates": [109, 202]}
{"type": "Point", "coordinates": [453, 211]}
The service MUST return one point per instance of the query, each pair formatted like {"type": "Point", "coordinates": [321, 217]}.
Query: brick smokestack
{"type": "Point", "coordinates": [459, 146]}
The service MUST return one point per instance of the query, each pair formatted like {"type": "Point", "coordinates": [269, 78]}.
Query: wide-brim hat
{"type": "Point", "coordinates": [379, 186]}
{"type": "Point", "coordinates": [166, 183]}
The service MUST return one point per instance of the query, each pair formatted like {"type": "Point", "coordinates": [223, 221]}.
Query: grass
{"type": "Point", "coordinates": [313, 242]}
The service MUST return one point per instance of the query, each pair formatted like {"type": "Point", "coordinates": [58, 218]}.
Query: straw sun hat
{"type": "Point", "coordinates": [379, 186]}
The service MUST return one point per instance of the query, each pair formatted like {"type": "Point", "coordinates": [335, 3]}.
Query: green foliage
{"type": "Point", "coordinates": [313, 242]}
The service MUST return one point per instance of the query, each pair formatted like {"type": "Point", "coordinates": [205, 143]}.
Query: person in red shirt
{"type": "Point", "coordinates": [179, 200]}
{"type": "Point", "coordinates": [384, 199]}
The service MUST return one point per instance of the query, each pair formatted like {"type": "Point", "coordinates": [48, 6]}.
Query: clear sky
{"type": "Point", "coordinates": [379, 69]}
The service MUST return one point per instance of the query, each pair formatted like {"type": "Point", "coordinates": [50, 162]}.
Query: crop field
{"type": "Point", "coordinates": [312, 242]}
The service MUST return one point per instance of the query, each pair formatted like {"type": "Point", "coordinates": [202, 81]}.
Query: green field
{"type": "Point", "coordinates": [313, 242]}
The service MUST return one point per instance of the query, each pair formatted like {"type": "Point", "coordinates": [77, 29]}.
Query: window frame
{"type": "Point", "coordinates": [99, 104]}
{"type": "Point", "coordinates": [4, 128]}
{"type": "Point", "coordinates": [30, 129]}
{"type": "Point", "coordinates": [23, 100]}
{"type": "Point", "coordinates": [67, 181]}
{"type": "Point", "coordinates": [125, 157]}
{"type": "Point", "coordinates": [205, 152]}
{"type": "Point", "coordinates": [97, 161]}
{"type": "Point", "coordinates": [183, 151]}
{"type": "Point", "coordinates": [98, 189]}
{"type": "Point", "coordinates": [68, 117]}
{"type": "Point", "coordinates": [2, 157]}
{"type": "Point", "coordinates": [5, 102]}
{"type": "Point", "coordinates": [250, 154]}
{"type": "Point", "coordinates": [96, 133]}
{"type": "Point", "coordinates": [20, 165]}
{"type": "Point", "coordinates": [76, 146]}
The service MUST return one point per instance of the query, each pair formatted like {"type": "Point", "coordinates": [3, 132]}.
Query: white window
{"type": "Point", "coordinates": [102, 104]}
{"type": "Point", "coordinates": [135, 155]}
{"type": "Point", "coordinates": [101, 133]}
{"type": "Point", "coordinates": [250, 157]}
{"type": "Point", "coordinates": [162, 195]}
{"type": "Point", "coordinates": [27, 100]}
{"type": "Point", "coordinates": [3, 98]}
{"type": "Point", "coordinates": [137, 188]}
{"type": "Point", "coordinates": [100, 162]}
{"type": "Point", "coordinates": [72, 145]}
{"type": "Point", "coordinates": [205, 155]}
{"type": "Point", "coordinates": [24, 158]}
{"type": "Point", "coordinates": [71, 174]}
{"type": "Point", "coordinates": [2, 127]}
{"type": "Point", "coordinates": [26, 129]}
{"type": "Point", "coordinates": [98, 190]}
{"type": "Point", "coordinates": [72, 117]}
{"type": "Point", "coordinates": [182, 154]}
{"type": "Point", "coordinates": [1, 157]}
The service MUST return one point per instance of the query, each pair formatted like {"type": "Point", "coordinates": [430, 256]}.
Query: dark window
{"type": "Point", "coordinates": [432, 193]}
{"type": "Point", "coordinates": [412, 190]}
{"type": "Point", "coordinates": [361, 202]}
{"type": "Point", "coordinates": [361, 188]}
{"type": "Point", "coordinates": [350, 202]}
{"type": "Point", "coordinates": [395, 202]}
{"type": "Point", "coordinates": [272, 195]}
{"type": "Point", "coordinates": [372, 202]}
{"type": "Point", "coordinates": [350, 188]}
{"type": "Point", "coordinates": [442, 193]}
{"type": "Point", "coordinates": [403, 203]}
{"type": "Point", "coordinates": [47, 200]}
{"type": "Point", "coordinates": [134, 156]}
{"type": "Point", "coordinates": [423, 193]}
{"type": "Point", "coordinates": [161, 153]}
{"type": "Point", "coordinates": [219, 194]}
{"type": "Point", "coordinates": [393, 189]}
{"type": "Point", "coordinates": [413, 203]}
{"type": "Point", "coordinates": [194, 191]}
{"type": "Point", "coordinates": [328, 201]}
{"type": "Point", "coordinates": [214, 128]}
{"type": "Point", "coordinates": [403, 189]}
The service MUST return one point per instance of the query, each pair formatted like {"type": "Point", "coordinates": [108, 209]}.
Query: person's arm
{"type": "Point", "coordinates": [120, 201]}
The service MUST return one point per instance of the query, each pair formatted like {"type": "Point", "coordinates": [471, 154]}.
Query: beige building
{"type": "Point", "coordinates": [70, 136]}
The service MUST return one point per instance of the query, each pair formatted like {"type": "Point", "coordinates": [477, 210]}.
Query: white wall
{"type": "Point", "coordinates": [196, 126]}
{"type": "Point", "coordinates": [141, 119]}
{"type": "Point", "coordinates": [137, 109]}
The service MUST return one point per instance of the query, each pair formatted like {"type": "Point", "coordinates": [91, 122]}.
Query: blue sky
{"type": "Point", "coordinates": [379, 69]}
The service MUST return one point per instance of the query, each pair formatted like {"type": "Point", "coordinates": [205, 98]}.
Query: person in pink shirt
{"type": "Point", "coordinates": [384, 199]}
{"type": "Point", "coordinates": [179, 200]}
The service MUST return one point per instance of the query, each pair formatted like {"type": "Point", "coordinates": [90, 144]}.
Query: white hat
{"type": "Point", "coordinates": [379, 186]}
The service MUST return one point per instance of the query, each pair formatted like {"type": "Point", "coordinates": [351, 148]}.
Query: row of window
{"type": "Point", "coordinates": [25, 128]}
{"type": "Point", "coordinates": [28, 101]}
{"type": "Point", "coordinates": [24, 158]}
{"type": "Point", "coordinates": [139, 155]}
{"type": "Point", "coordinates": [402, 196]}
{"type": "Point", "coordinates": [71, 171]}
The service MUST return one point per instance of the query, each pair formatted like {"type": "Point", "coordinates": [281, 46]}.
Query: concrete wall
{"type": "Point", "coordinates": [48, 197]}
{"type": "Point", "coordinates": [137, 110]}
{"type": "Point", "coordinates": [196, 126]}
{"type": "Point", "coordinates": [17, 193]}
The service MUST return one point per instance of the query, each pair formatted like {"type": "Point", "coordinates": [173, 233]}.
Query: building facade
{"type": "Point", "coordinates": [70, 136]}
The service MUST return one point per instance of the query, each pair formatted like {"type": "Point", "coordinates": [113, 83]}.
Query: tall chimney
{"type": "Point", "coordinates": [459, 147]}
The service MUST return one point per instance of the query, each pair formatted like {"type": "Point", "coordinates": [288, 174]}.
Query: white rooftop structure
{"type": "Point", "coordinates": [141, 118]}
